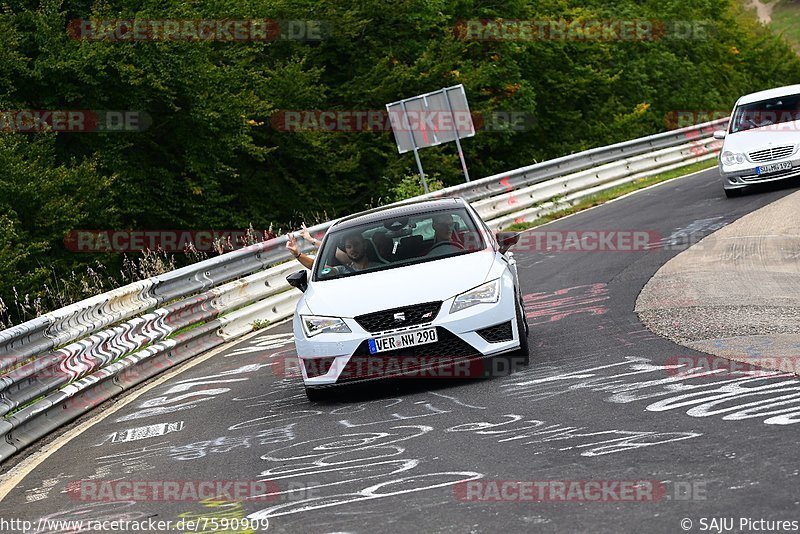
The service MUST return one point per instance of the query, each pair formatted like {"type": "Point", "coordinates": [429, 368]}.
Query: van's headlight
{"type": "Point", "coordinates": [732, 158]}
{"type": "Point", "coordinates": [314, 325]}
{"type": "Point", "coordinates": [487, 293]}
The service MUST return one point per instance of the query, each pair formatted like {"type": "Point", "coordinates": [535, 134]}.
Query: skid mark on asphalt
{"type": "Point", "coordinates": [686, 236]}
{"type": "Point", "coordinates": [542, 308]}
{"type": "Point", "coordinates": [585, 308]}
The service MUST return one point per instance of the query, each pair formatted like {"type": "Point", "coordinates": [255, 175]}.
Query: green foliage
{"type": "Point", "coordinates": [260, 324]}
{"type": "Point", "coordinates": [41, 200]}
{"type": "Point", "coordinates": [213, 159]}
{"type": "Point", "coordinates": [411, 186]}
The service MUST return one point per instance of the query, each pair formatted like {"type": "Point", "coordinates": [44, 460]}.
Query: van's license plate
{"type": "Point", "coordinates": [401, 341]}
{"type": "Point", "coordinates": [775, 167]}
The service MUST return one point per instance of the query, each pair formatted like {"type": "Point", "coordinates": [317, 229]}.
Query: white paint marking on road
{"type": "Point", "coordinates": [43, 492]}
{"type": "Point", "coordinates": [143, 432]}
{"type": "Point", "coordinates": [458, 401]}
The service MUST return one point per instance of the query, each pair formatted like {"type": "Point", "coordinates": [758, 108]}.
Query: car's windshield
{"type": "Point", "coordinates": [781, 110]}
{"type": "Point", "coordinates": [395, 242]}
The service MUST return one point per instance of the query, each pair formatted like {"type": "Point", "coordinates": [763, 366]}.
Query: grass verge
{"type": "Point", "coordinates": [610, 194]}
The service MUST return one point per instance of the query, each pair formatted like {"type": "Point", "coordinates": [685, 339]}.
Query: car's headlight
{"type": "Point", "coordinates": [314, 325]}
{"type": "Point", "coordinates": [732, 158]}
{"type": "Point", "coordinates": [487, 293]}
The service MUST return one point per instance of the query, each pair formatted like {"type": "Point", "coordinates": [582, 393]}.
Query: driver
{"type": "Point", "coordinates": [444, 241]}
{"type": "Point", "coordinates": [442, 227]}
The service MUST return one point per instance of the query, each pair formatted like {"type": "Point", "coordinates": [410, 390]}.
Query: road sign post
{"type": "Point", "coordinates": [458, 142]}
{"type": "Point", "coordinates": [416, 150]}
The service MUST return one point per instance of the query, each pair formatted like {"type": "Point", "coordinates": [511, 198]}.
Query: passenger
{"type": "Point", "coordinates": [355, 246]}
{"type": "Point", "coordinates": [307, 260]}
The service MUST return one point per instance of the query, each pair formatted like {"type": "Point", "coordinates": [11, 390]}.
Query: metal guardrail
{"type": "Point", "coordinates": [62, 364]}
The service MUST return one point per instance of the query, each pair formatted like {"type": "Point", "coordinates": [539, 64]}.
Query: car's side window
{"type": "Point", "coordinates": [424, 228]}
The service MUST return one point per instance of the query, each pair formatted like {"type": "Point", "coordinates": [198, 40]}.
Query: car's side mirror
{"type": "Point", "coordinates": [506, 240]}
{"type": "Point", "coordinates": [719, 134]}
{"type": "Point", "coordinates": [299, 280]}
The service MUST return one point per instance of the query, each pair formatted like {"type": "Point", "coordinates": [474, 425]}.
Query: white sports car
{"type": "Point", "coordinates": [402, 290]}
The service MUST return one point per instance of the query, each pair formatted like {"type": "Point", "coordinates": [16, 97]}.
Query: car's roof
{"type": "Point", "coordinates": [393, 211]}
{"type": "Point", "coordinates": [769, 94]}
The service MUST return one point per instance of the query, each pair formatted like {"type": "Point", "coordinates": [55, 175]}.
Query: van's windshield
{"type": "Point", "coordinates": [781, 110]}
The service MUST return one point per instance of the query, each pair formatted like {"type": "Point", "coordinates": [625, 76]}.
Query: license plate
{"type": "Point", "coordinates": [775, 167]}
{"type": "Point", "coordinates": [401, 341]}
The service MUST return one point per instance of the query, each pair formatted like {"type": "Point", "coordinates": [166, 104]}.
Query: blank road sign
{"type": "Point", "coordinates": [431, 119]}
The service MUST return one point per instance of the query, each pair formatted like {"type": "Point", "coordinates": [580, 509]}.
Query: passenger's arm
{"type": "Point", "coordinates": [305, 260]}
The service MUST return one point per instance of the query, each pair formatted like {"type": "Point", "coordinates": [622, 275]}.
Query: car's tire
{"type": "Point", "coordinates": [733, 193]}
{"type": "Point", "coordinates": [523, 354]}
{"type": "Point", "coordinates": [524, 317]}
{"type": "Point", "coordinates": [316, 394]}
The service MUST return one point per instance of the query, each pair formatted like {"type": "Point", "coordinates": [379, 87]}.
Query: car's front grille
{"type": "Point", "coordinates": [447, 350]}
{"type": "Point", "coordinates": [497, 333]}
{"type": "Point", "coordinates": [770, 154]}
{"type": "Point", "coordinates": [399, 317]}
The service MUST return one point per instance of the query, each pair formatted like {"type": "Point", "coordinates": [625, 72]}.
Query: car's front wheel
{"type": "Point", "coordinates": [523, 355]}
{"type": "Point", "coordinates": [733, 193]}
{"type": "Point", "coordinates": [316, 394]}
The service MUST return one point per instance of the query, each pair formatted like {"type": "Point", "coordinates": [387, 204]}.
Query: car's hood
{"type": "Point", "coordinates": [400, 286]}
{"type": "Point", "coordinates": [765, 137]}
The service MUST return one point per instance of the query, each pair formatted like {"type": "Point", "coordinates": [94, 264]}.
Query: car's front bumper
{"type": "Point", "coordinates": [739, 177]}
{"type": "Point", "coordinates": [457, 334]}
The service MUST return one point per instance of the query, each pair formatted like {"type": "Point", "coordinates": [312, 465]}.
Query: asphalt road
{"type": "Point", "coordinates": [599, 402]}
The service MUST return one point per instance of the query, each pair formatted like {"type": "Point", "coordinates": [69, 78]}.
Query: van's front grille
{"type": "Point", "coordinates": [788, 173]}
{"type": "Point", "coordinates": [771, 154]}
